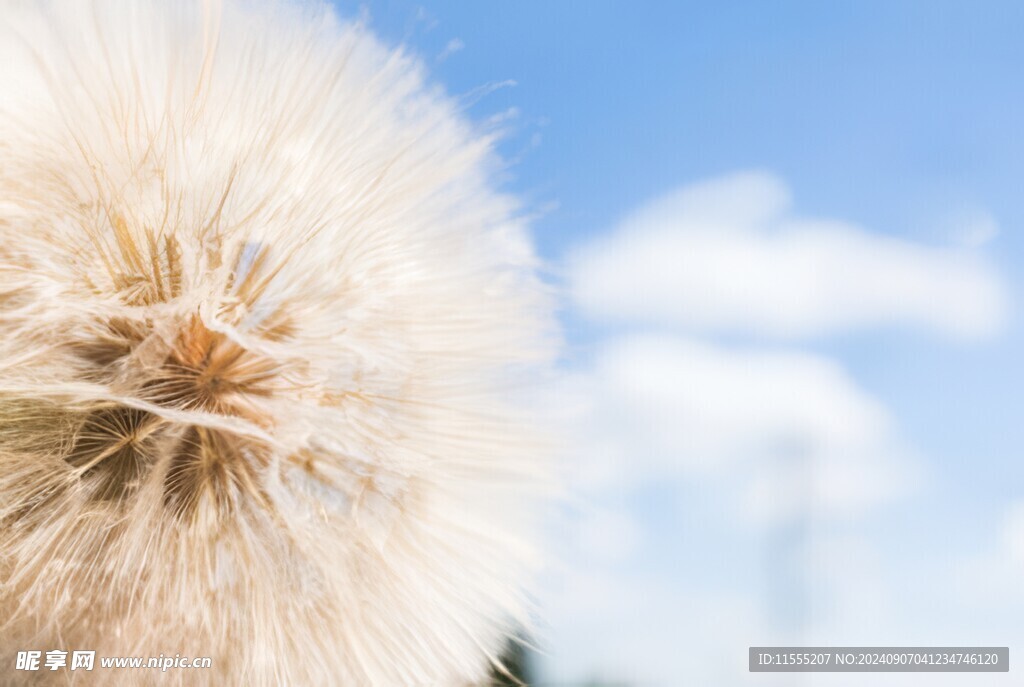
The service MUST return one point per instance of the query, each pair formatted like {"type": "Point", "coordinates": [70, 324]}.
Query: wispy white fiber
{"type": "Point", "coordinates": [264, 324]}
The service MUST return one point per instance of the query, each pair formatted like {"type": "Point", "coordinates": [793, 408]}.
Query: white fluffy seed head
{"type": "Point", "coordinates": [262, 319]}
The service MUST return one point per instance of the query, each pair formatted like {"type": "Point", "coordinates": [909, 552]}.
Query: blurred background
{"type": "Point", "coordinates": [786, 234]}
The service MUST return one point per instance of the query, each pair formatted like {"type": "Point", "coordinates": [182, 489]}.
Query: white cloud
{"type": "Point", "coordinates": [991, 579]}
{"type": "Point", "coordinates": [728, 255]}
{"type": "Point", "coordinates": [973, 227]}
{"type": "Point", "coordinates": [746, 438]}
{"type": "Point", "coordinates": [787, 431]}
{"type": "Point", "coordinates": [607, 534]}
{"type": "Point", "coordinates": [1013, 535]}
{"type": "Point", "coordinates": [451, 47]}
{"type": "Point", "coordinates": [644, 630]}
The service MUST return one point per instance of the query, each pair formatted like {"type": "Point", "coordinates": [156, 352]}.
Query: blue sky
{"type": "Point", "coordinates": [903, 119]}
{"type": "Point", "coordinates": [898, 116]}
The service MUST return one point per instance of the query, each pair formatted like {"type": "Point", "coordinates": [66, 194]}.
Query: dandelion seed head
{"type": "Point", "coordinates": [261, 317]}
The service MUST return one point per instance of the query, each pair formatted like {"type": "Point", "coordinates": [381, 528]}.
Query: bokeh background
{"type": "Point", "coordinates": [787, 235]}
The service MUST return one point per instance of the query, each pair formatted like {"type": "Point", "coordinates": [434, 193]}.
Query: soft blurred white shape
{"type": "Point", "coordinates": [783, 432]}
{"type": "Point", "coordinates": [974, 228]}
{"type": "Point", "coordinates": [644, 630]}
{"type": "Point", "coordinates": [727, 256]}
{"type": "Point", "coordinates": [1012, 535]}
{"type": "Point", "coordinates": [608, 534]}
{"type": "Point", "coordinates": [773, 457]}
